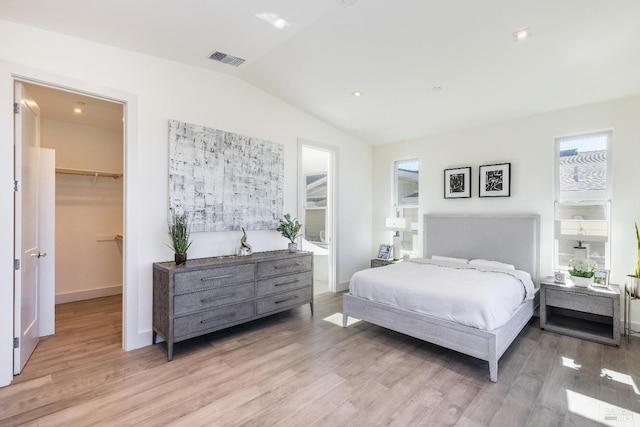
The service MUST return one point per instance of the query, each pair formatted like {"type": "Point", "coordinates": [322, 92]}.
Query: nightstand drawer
{"type": "Point", "coordinates": [579, 302]}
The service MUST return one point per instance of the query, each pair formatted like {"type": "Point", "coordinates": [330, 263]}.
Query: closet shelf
{"type": "Point", "coordinates": [88, 173]}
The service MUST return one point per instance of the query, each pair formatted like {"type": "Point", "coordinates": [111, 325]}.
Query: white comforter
{"type": "Point", "coordinates": [480, 297]}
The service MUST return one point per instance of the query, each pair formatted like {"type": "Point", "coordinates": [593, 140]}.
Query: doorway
{"type": "Point", "coordinates": [316, 183]}
{"type": "Point", "coordinates": [87, 135]}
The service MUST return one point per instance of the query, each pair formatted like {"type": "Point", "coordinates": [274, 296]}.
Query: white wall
{"type": "Point", "coordinates": [157, 90]}
{"type": "Point", "coordinates": [528, 144]}
{"type": "Point", "coordinates": [83, 147]}
{"type": "Point", "coordinates": [89, 211]}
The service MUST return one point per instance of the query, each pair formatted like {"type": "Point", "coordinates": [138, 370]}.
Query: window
{"type": "Point", "coordinates": [582, 199]}
{"type": "Point", "coordinates": [406, 194]}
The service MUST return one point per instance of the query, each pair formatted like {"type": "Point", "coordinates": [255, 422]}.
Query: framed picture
{"type": "Point", "coordinates": [601, 278]}
{"type": "Point", "coordinates": [384, 251]}
{"type": "Point", "coordinates": [457, 183]}
{"type": "Point", "coordinates": [495, 180]}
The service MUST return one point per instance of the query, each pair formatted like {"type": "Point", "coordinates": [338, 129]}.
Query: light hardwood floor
{"type": "Point", "coordinates": [294, 369]}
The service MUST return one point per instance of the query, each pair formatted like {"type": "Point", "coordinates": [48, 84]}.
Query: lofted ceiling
{"type": "Point", "coordinates": [423, 66]}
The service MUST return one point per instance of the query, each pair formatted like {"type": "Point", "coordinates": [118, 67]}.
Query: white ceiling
{"type": "Point", "coordinates": [60, 105]}
{"type": "Point", "coordinates": [395, 52]}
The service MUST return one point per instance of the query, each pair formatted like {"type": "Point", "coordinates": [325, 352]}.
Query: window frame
{"type": "Point", "coordinates": [582, 198]}
{"type": "Point", "coordinates": [398, 208]}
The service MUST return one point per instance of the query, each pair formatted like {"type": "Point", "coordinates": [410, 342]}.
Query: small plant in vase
{"type": "Point", "coordinates": [633, 280]}
{"type": "Point", "coordinates": [179, 231]}
{"type": "Point", "coordinates": [581, 271]}
{"type": "Point", "coordinates": [290, 228]}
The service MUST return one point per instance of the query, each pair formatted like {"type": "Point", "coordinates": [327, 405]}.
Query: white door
{"type": "Point", "coordinates": [27, 251]}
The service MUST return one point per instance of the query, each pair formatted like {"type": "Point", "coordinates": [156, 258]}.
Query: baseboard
{"type": "Point", "coordinates": [633, 326]}
{"type": "Point", "coordinates": [344, 286]}
{"type": "Point", "coordinates": [88, 294]}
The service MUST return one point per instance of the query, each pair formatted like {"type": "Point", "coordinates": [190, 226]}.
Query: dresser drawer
{"type": "Point", "coordinates": [191, 281]}
{"type": "Point", "coordinates": [284, 266]}
{"type": "Point", "coordinates": [284, 300]}
{"type": "Point", "coordinates": [211, 319]}
{"type": "Point", "coordinates": [579, 302]}
{"type": "Point", "coordinates": [214, 297]}
{"type": "Point", "coordinates": [284, 283]}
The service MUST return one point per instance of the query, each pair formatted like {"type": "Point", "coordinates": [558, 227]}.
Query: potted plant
{"type": "Point", "coordinates": [581, 271]}
{"type": "Point", "coordinates": [290, 228]}
{"type": "Point", "coordinates": [179, 230]}
{"type": "Point", "coordinates": [633, 280]}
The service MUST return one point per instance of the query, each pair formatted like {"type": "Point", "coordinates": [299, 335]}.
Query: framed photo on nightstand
{"type": "Point", "coordinates": [601, 278]}
{"type": "Point", "coordinates": [384, 251]}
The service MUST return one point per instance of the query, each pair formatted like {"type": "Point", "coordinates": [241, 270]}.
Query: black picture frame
{"type": "Point", "coordinates": [384, 252]}
{"type": "Point", "coordinates": [601, 278]}
{"type": "Point", "coordinates": [495, 180]}
{"type": "Point", "coordinates": [457, 183]}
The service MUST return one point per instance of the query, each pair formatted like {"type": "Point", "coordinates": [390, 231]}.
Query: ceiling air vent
{"type": "Point", "coordinates": [226, 59]}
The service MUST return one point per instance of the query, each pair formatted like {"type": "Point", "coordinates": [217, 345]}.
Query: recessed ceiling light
{"type": "Point", "coordinates": [347, 2]}
{"type": "Point", "coordinates": [522, 34]}
{"type": "Point", "coordinates": [79, 108]}
{"type": "Point", "coordinates": [436, 88]}
{"type": "Point", "coordinates": [356, 93]}
{"type": "Point", "coordinates": [273, 19]}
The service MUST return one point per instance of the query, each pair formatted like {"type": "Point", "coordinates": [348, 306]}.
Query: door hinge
{"type": "Point", "coordinates": [16, 186]}
{"type": "Point", "coordinates": [16, 264]}
{"type": "Point", "coordinates": [16, 342]}
{"type": "Point", "coordinates": [16, 108]}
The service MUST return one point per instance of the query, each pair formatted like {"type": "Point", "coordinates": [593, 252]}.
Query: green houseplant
{"type": "Point", "coordinates": [633, 280]}
{"type": "Point", "coordinates": [179, 230]}
{"type": "Point", "coordinates": [290, 228]}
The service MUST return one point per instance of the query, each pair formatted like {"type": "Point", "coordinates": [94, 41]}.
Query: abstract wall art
{"type": "Point", "coordinates": [224, 181]}
{"type": "Point", "coordinates": [457, 183]}
{"type": "Point", "coordinates": [495, 180]}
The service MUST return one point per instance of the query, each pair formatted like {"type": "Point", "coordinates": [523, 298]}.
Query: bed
{"type": "Point", "coordinates": [511, 239]}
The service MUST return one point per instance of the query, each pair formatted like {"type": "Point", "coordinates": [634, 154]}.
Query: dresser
{"type": "Point", "coordinates": [208, 294]}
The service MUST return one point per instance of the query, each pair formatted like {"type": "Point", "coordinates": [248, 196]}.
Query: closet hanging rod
{"type": "Point", "coordinates": [88, 173]}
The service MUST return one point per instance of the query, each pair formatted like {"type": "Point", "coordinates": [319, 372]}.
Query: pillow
{"type": "Point", "coordinates": [496, 264]}
{"type": "Point", "coordinates": [448, 258]}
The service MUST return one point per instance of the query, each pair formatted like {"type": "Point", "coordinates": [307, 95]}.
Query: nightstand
{"type": "Point", "coordinates": [589, 313]}
{"type": "Point", "coordinates": [376, 262]}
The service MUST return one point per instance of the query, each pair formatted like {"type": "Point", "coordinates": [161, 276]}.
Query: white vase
{"type": "Point", "coordinates": [582, 282]}
{"type": "Point", "coordinates": [633, 286]}
{"type": "Point", "coordinates": [293, 247]}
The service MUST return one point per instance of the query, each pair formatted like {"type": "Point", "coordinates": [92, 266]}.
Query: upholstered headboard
{"type": "Point", "coordinates": [512, 239]}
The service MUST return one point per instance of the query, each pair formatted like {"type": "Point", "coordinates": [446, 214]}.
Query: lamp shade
{"type": "Point", "coordinates": [582, 230]}
{"type": "Point", "coordinates": [396, 224]}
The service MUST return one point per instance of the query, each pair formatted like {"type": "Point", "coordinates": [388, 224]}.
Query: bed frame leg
{"type": "Point", "coordinates": [345, 317]}
{"type": "Point", "coordinates": [493, 371]}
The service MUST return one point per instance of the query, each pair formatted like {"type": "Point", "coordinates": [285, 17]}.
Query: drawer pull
{"type": "Point", "coordinates": [286, 299]}
{"type": "Point", "coordinates": [226, 276]}
{"type": "Point", "coordinates": [287, 283]}
{"type": "Point", "coordinates": [278, 267]}
{"type": "Point", "coordinates": [215, 319]}
{"type": "Point", "coordinates": [213, 299]}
